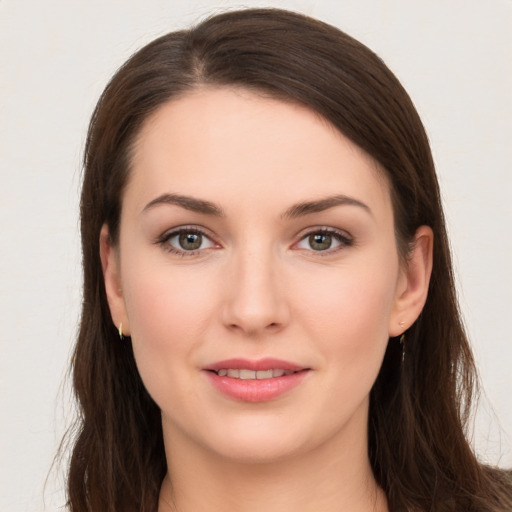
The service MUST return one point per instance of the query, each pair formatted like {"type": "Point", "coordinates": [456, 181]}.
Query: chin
{"type": "Point", "coordinates": [259, 449]}
{"type": "Point", "coordinates": [252, 438]}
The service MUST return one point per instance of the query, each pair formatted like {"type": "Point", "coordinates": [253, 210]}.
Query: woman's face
{"type": "Point", "coordinates": [257, 274]}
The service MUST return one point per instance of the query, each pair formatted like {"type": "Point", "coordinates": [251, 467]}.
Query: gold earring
{"type": "Point", "coordinates": [402, 344]}
{"type": "Point", "coordinates": [120, 330]}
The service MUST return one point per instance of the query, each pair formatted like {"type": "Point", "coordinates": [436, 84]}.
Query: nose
{"type": "Point", "coordinates": [255, 301]}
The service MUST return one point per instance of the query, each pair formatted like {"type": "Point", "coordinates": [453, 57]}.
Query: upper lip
{"type": "Point", "coordinates": [258, 364]}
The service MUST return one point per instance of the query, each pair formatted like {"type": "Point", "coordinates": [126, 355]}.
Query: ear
{"type": "Point", "coordinates": [412, 288]}
{"type": "Point", "coordinates": [112, 277]}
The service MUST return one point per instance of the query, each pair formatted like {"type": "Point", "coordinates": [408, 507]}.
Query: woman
{"type": "Point", "coordinates": [269, 317]}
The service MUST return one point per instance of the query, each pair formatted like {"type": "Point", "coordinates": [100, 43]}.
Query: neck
{"type": "Point", "coordinates": [334, 477]}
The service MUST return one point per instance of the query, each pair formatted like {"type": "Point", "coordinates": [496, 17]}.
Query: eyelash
{"type": "Point", "coordinates": [343, 238]}
{"type": "Point", "coordinates": [163, 240]}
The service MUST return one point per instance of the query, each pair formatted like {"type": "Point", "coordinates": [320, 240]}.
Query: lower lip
{"type": "Point", "coordinates": [255, 390]}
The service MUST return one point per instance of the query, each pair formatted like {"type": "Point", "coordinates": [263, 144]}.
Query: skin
{"type": "Point", "coordinates": [258, 288]}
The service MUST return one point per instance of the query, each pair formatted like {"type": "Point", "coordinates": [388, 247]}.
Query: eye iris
{"type": "Point", "coordinates": [190, 241]}
{"type": "Point", "coordinates": [320, 241]}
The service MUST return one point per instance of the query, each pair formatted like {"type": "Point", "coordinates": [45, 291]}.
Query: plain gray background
{"type": "Point", "coordinates": [453, 56]}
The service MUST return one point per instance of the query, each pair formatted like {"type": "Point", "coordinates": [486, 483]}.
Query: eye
{"type": "Point", "coordinates": [324, 240]}
{"type": "Point", "coordinates": [186, 241]}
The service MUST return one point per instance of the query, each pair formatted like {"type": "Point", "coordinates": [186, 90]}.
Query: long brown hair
{"type": "Point", "coordinates": [418, 408]}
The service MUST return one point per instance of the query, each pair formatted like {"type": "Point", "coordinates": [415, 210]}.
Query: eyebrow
{"type": "Point", "coordinates": [187, 202]}
{"type": "Point", "coordinates": [308, 207]}
{"type": "Point", "coordinates": [295, 211]}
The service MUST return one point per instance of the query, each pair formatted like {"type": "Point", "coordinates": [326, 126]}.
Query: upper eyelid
{"type": "Point", "coordinates": [324, 229]}
{"type": "Point", "coordinates": [169, 233]}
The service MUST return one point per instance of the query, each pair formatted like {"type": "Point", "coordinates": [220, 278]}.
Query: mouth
{"type": "Point", "coordinates": [255, 381]}
{"type": "Point", "coordinates": [246, 374]}
{"type": "Point", "coordinates": [260, 369]}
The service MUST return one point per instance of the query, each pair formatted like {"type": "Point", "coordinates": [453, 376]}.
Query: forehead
{"type": "Point", "coordinates": [227, 143]}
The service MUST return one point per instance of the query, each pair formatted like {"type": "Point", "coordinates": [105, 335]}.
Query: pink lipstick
{"type": "Point", "coordinates": [255, 380]}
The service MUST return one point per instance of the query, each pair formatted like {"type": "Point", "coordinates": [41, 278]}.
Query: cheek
{"type": "Point", "coordinates": [168, 314]}
{"type": "Point", "coordinates": [349, 322]}
{"type": "Point", "coordinates": [349, 315]}
{"type": "Point", "coordinates": [166, 300]}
